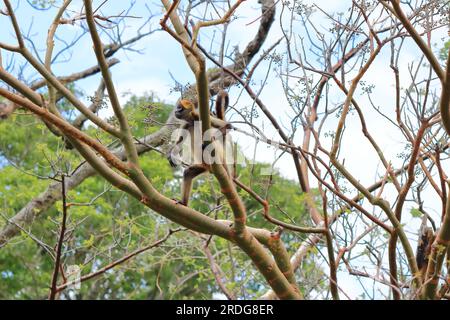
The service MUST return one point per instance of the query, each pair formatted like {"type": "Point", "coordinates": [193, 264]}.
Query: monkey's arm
{"type": "Point", "coordinates": [215, 122]}
{"type": "Point", "coordinates": [173, 154]}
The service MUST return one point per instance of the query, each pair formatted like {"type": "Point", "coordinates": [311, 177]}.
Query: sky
{"type": "Point", "coordinates": [158, 61]}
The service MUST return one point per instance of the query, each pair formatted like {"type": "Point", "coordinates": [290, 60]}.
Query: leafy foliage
{"type": "Point", "coordinates": [105, 224]}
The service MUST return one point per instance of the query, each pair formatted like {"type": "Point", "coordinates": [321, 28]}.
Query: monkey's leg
{"type": "Point", "coordinates": [188, 176]}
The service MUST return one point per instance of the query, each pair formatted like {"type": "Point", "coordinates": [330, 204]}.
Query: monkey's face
{"type": "Point", "coordinates": [183, 110]}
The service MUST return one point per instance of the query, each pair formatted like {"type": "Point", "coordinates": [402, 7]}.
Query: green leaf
{"type": "Point", "coordinates": [416, 213]}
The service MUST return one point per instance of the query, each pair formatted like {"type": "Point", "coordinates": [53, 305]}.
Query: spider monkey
{"type": "Point", "coordinates": [187, 111]}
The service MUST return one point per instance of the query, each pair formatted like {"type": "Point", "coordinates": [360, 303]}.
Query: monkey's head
{"type": "Point", "coordinates": [184, 109]}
